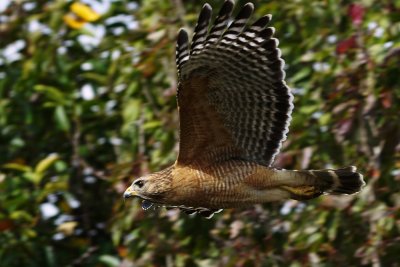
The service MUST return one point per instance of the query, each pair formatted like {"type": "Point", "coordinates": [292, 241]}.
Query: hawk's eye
{"type": "Point", "coordinates": [139, 183]}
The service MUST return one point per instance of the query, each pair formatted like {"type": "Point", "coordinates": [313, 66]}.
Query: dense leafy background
{"type": "Point", "coordinates": [83, 111]}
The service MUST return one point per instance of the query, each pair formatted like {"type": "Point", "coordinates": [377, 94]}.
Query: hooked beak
{"type": "Point", "coordinates": [129, 193]}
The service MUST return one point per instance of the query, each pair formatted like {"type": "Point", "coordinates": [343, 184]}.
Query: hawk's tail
{"type": "Point", "coordinates": [344, 181]}
{"type": "Point", "coordinates": [340, 181]}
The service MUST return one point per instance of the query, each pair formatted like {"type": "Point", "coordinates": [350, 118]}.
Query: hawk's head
{"type": "Point", "coordinates": [151, 188]}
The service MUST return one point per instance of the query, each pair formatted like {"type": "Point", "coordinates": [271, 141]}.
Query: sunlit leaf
{"type": "Point", "coordinates": [151, 124]}
{"type": "Point", "coordinates": [73, 21]}
{"type": "Point", "coordinates": [21, 215]}
{"type": "Point", "coordinates": [52, 93]}
{"type": "Point", "coordinates": [85, 12]}
{"type": "Point", "coordinates": [17, 166]}
{"type": "Point", "coordinates": [110, 261]}
{"type": "Point", "coordinates": [46, 163]}
{"type": "Point", "coordinates": [67, 228]}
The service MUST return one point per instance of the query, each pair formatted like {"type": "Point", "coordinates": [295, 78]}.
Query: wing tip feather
{"type": "Point", "coordinates": [183, 37]}
{"type": "Point", "coordinates": [205, 12]}
{"type": "Point", "coordinates": [263, 21]}
{"type": "Point", "coordinates": [226, 8]}
{"type": "Point", "coordinates": [246, 11]}
{"type": "Point", "coordinates": [207, 6]}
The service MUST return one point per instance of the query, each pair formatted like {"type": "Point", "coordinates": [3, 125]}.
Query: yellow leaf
{"type": "Point", "coordinates": [397, 164]}
{"type": "Point", "coordinates": [20, 215]}
{"type": "Point", "coordinates": [84, 12]}
{"type": "Point", "coordinates": [17, 166]}
{"type": "Point", "coordinates": [29, 233]}
{"type": "Point", "coordinates": [73, 21]}
{"type": "Point", "coordinates": [44, 164]}
{"type": "Point", "coordinates": [67, 228]}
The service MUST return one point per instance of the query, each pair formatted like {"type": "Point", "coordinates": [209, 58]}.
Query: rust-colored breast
{"type": "Point", "coordinates": [225, 184]}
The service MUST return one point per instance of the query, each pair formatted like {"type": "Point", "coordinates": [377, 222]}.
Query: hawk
{"type": "Point", "coordinates": [234, 109]}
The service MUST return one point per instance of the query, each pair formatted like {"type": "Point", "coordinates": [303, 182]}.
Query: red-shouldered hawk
{"type": "Point", "coordinates": [234, 108]}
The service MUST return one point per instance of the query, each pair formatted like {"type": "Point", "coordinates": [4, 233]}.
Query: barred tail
{"type": "Point", "coordinates": [340, 181]}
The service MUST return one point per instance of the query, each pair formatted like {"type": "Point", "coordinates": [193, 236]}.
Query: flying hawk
{"type": "Point", "coordinates": [235, 109]}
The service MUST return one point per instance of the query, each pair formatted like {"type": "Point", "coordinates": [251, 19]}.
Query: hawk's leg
{"type": "Point", "coordinates": [301, 185]}
{"type": "Point", "coordinates": [303, 192]}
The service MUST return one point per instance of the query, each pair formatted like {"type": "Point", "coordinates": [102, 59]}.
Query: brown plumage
{"type": "Point", "coordinates": [234, 109]}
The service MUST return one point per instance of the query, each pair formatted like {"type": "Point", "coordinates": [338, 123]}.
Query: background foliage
{"type": "Point", "coordinates": [87, 105]}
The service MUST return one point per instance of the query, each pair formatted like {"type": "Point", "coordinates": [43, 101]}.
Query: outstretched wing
{"type": "Point", "coordinates": [232, 99]}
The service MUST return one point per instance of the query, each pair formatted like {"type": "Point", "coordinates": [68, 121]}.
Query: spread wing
{"type": "Point", "coordinates": [232, 99]}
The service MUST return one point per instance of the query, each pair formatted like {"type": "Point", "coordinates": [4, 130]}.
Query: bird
{"type": "Point", "coordinates": [234, 112]}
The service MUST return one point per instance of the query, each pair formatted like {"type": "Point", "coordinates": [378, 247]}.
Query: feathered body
{"type": "Point", "coordinates": [235, 109]}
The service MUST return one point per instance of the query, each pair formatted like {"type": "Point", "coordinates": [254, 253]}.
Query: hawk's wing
{"type": "Point", "coordinates": [233, 101]}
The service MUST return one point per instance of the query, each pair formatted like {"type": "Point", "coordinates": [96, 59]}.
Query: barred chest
{"type": "Point", "coordinates": [216, 186]}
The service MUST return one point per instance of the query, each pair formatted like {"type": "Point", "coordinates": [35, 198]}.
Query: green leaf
{"type": "Point", "coordinates": [21, 215]}
{"type": "Point", "coordinates": [52, 93]}
{"type": "Point", "coordinates": [131, 110]}
{"type": "Point", "coordinates": [301, 75]}
{"type": "Point", "coordinates": [62, 118]}
{"type": "Point", "coordinates": [325, 119]}
{"type": "Point", "coordinates": [110, 261]}
{"type": "Point", "coordinates": [315, 238]}
{"type": "Point", "coordinates": [308, 109]}
{"type": "Point", "coordinates": [99, 78]}
{"type": "Point", "coordinates": [151, 125]}
{"type": "Point", "coordinates": [333, 227]}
